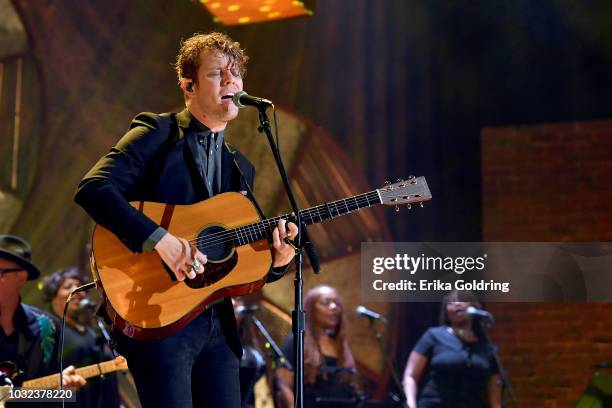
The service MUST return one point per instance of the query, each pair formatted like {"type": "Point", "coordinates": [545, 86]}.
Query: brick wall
{"type": "Point", "coordinates": [550, 182]}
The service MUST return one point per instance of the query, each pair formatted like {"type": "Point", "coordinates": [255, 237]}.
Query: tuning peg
{"type": "Point", "coordinates": [408, 206]}
{"type": "Point", "coordinates": [421, 204]}
{"type": "Point", "coordinates": [397, 208]}
{"type": "Point", "coordinates": [387, 182]}
{"type": "Point", "coordinates": [399, 180]}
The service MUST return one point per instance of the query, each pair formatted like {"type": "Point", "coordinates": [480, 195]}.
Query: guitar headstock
{"type": "Point", "coordinates": [411, 191]}
{"type": "Point", "coordinates": [120, 363]}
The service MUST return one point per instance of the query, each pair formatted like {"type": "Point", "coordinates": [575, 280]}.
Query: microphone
{"type": "Point", "coordinates": [242, 99]}
{"type": "Point", "coordinates": [81, 288]}
{"type": "Point", "coordinates": [370, 314]}
{"type": "Point", "coordinates": [5, 380]}
{"type": "Point", "coordinates": [247, 309]}
{"type": "Point", "coordinates": [86, 303]}
{"type": "Point", "coordinates": [474, 311]}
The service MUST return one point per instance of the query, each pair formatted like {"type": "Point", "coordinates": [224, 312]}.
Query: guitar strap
{"type": "Point", "coordinates": [249, 189]}
{"type": "Point", "coordinates": [23, 346]}
{"type": "Point", "coordinates": [28, 357]}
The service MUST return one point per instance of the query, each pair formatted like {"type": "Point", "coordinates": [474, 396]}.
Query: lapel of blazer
{"type": "Point", "coordinates": [227, 169]}
{"type": "Point", "coordinates": [183, 119]}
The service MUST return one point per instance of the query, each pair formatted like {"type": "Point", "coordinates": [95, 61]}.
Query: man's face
{"type": "Point", "coordinates": [11, 282]}
{"type": "Point", "coordinates": [217, 78]}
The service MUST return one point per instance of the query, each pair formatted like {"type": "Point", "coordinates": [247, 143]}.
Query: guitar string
{"type": "Point", "coordinates": [248, 231]}
{"type": "Point", "coordinates": [264, 227]}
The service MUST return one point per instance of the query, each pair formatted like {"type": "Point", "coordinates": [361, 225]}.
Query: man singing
{"type": "Point", "coordinates": [181, 158]}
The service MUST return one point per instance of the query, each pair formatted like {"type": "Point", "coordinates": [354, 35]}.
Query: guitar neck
{"type": "Point", "coordinates": [263, 229]}
{"type": "Point", "coordinates": [53, 380]}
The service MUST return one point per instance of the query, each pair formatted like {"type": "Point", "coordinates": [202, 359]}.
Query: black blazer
{"type": "Point", "coordinates": [157, 160]}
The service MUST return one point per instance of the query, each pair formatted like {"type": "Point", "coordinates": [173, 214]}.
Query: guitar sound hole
{"type": "Point", "coordinates": [215, 243]}
{"type": "Point", "coordinates": [211, 242]}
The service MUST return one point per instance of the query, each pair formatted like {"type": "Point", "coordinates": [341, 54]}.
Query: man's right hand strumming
{"type": "Point", "coordinates": [182, 258]}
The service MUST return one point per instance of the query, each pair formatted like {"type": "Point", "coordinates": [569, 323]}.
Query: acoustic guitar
{"type": "Point", "coordinates": [143, 298]}
{"type": "Point", "coordinates": [9, 370]}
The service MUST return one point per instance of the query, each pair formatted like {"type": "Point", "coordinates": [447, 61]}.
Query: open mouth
{"type": "Point", "coordinates": [228, 96]}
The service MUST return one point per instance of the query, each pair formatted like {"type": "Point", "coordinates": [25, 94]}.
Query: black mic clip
{"type": "Point", "coordinates": [81, 288]}
{"type": "Point", "coordinates": [311, 252]}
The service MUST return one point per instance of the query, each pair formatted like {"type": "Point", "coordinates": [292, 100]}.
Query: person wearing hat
{"type": "Point", "coordinates": [28, 338]}
{"type": "Point", "coordinates": [82, 344]}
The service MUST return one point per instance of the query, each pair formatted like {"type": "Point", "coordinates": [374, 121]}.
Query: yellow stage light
{"type": "Point", "coordinates": [234, 12]}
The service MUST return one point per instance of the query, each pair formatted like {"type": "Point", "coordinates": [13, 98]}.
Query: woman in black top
{"type": "Point", "coordinates": [328, 362]}
{"type": "Point", "coordinates": [452, 365]}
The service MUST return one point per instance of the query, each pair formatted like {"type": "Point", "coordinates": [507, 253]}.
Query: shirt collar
{"type": "Point", "coordinates": [202, 128]}
{"type": "Point", "coordinates": [199, 126]}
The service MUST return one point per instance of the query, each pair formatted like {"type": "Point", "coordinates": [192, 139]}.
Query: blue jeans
{"type": "Point", "coordinates": [191, 368]}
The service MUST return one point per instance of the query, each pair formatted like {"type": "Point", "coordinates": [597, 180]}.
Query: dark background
{"type": "Point", "coordinates": [405, 87]}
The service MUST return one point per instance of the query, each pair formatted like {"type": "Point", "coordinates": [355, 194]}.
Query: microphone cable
{"type": "Point", "coordinates": [63, 329]}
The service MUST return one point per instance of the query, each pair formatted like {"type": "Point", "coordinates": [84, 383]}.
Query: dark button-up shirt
{"type": "Point", "coordinates": [210, 146]}
{"type": "Point", "coordinates": [209, 163]}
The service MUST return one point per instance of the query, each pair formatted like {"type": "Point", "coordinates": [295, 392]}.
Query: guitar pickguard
{"type": "Point", "coordinates": [213, 272]}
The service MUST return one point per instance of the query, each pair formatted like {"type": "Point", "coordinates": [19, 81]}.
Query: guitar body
{"type": "Point", "coordinates": [140, 294]}
{"type": "Point", "coordinates": [144, 300]}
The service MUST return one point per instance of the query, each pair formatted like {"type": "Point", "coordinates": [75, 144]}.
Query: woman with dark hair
{"type": "Point", "coordinates": [452, 365]}
{"type": "Point", "coordinates": [328, 361]}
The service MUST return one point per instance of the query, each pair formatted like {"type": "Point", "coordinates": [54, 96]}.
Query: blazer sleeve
{"type": "Point", "coordinates": [102, 192]}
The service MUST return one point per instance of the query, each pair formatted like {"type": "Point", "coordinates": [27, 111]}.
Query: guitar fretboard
{"type": "Point", "coordinates": [94, 370]}
{"type": "Point", "coordinates": [263, 229]}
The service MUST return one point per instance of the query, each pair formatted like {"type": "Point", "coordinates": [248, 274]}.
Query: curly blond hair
{"type": "Point", "coordinates": [188, 59]}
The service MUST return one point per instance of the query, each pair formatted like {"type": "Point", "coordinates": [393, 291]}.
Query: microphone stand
{"type": "Point", "coordinates": [383, 349]}
{"type": "Point", "coordinates": [297, 315]}
{"type": "Point", "coordinates": [505, 379]}
{"type": "Point", "coordinates": [279, 356]}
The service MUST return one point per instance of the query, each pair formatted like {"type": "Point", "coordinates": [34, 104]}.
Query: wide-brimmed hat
{"type": "Point", "coordinates": [18, 250]}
